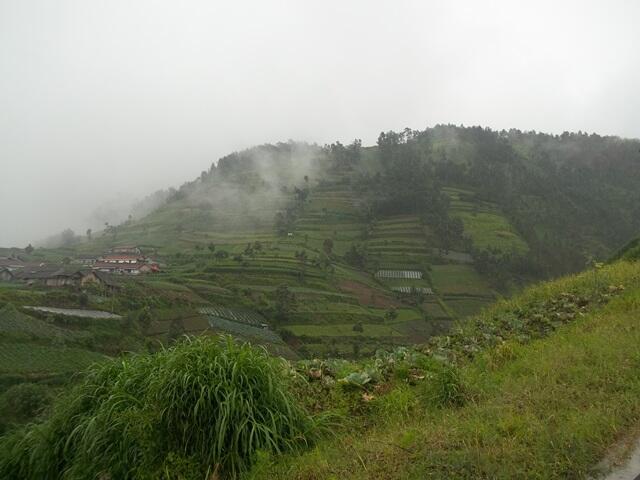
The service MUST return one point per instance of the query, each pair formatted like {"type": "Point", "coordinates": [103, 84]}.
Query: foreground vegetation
{"type": "Point", "coordinates": [203, 408]}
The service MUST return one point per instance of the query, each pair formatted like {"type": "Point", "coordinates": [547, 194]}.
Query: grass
{"type": "Point", "coordinates": [17, 325]}
{"type": "Point", "coordinates": [344, 330]}
{"type": "Point", "coordinates": [521, 408]}
{"type": "Point", "coordinates": [201, 409]}
{"type": "Point", "coordinates": [466, 307]}
{"type": "Point", "coordinates": [492, 230]}
{"type": "Point", "coordinates": [31, 358]}
{"type": "Point", "coordinates": [484, 223]}
{"type": "Point", "coordinates": [458, 279]}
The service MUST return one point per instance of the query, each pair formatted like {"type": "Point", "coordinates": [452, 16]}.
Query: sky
{"type": "Point", "coordinates": [104, 102]}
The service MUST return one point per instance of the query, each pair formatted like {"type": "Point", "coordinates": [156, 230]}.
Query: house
{"type": "Point", "coordinates": [6, 275]}
{"type": "Point", "coordinates": [85, 260]}
{"type": "Point", "coordinates": [11, 263]}
{"type": "Point", "coordinates": [109, 282]}
{"type": "Point", "coordinates": [50, 275]}
{"type": "Point", "coordinates": [121, 258]}
{"type": "Point", "coordinates": [133, 268]}
{"type": "Point", "coordinates": [105, 280]}
{"type": "Point", "coordinates": [126, 249]}
{"type": "Point", "coordinates": [125, 263]}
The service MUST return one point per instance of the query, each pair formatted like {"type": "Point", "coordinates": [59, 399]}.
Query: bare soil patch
{"type": "Point", "coordinates": [368, 296]}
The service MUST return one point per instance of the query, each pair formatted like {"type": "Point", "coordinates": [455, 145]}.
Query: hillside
{"type": "Point", "coordinates": [469, 214]}
{"type": "Point", "coordinates": [538, 386]}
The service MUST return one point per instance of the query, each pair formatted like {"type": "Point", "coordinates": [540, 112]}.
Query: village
{"type": "Point", "coordinates": [80, 271]}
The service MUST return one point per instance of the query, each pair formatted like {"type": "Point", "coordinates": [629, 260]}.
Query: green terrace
{"type": "Point", "coordinates": [484, 222]}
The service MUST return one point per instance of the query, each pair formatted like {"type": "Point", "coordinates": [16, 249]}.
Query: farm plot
{"type": "Point", "coordinates": [398, 242]}
{"type": "Point", "coordinates": [243, 330]}
{"type": "Point", "coordinates": [76, 312]}
{"type": "Point", "coordinates": [458, 279]}
{"type": "Point", "coordinates": [417, 330]}
{"type": "Point", "coordinates": [248, 317]}
{"type": "Point", "coordinates": [466, 307]}
{"type": "Point", "coordinates": [484, 222]}
{"type": "Point", "coordinates": [399, 274]}
{"type": "Point", "coordinates": [27, 358]}
{"type": "Point", "coordinates": [452, 256]}
{"type": "Point", "coordinates": [410, 290]}
{"type": "Point", "coordinates": [344, 330]}
{"type": "Point", "coordinates": [434, 310]}
{"type": "Point", "coordinates": [16, 324]}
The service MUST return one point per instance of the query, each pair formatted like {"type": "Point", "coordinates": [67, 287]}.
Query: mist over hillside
{"type": "Point", "coordinates": [571, 197]}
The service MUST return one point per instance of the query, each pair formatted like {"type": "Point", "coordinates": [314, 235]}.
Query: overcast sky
{"type": "Point", "coordinates": [102, 102]}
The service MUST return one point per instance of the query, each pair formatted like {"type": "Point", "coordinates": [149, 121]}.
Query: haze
{"type": "Point", "coordinates": [102, 103]}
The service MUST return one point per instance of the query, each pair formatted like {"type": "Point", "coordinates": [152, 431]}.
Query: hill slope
{"type": "Point", "coordinates": [475, 213]}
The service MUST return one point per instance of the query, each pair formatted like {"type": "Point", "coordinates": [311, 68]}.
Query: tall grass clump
{"type": "Point", "coordinates": [202, 409]}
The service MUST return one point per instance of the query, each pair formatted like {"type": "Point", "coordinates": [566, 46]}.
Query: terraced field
{"type": "Point", "coordinates": [484, 222]}
{"type": "Point", "coordinates": [30, 358]}
{"type": "Point", "coordinates": [399, 242]}
{"type": "Point", "coordinates": [410, 265]}
{"type": "Point", "coordinates": [407, 279]}
{"type": "Point", "coordinates": [15, 324]}
{"type": "Point", "coordinates": [332, 213]}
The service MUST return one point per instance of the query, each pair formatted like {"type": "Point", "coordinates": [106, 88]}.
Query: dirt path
{"type": "Point", "coordinates": [629, 469]}
{"type": "Point", "coordinates": [623, 460]}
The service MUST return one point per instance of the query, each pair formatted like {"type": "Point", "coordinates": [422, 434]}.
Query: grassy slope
{"type": "Point", "coordinates": [545, 409]}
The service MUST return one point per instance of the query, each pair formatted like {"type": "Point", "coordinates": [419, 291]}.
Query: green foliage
{"type": "Point", "coordinates": [285, 301]}
{"type": "Point", "coordinates": [207, 405]}
{"type": "Point", "coordinates": [23, 402]}
{"type": "Point", "coordinates": [356, 255]}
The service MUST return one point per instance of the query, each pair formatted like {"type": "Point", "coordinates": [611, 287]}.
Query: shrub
{"type": "Point", "coordinates": [209, 401]}
{"type": "Point", "coordinates": [24, 401]}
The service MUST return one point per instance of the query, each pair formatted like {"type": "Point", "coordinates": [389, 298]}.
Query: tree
{"type": "Point", "coordinates": [285, 301]}
{"type": "Point", "coordinates": [221, 255]}
{"type": "Point", "coordinates": [327, 246]}
{"type": "Point", "coordinates": [83, 299]}
{"type": "Point", "coordinates": [89, 232]}
{"type": "Point", "coordinates": [28, 249]}
{"type": "Point", "coordinates": [390, 315]}
{"type": "Point", "coordinates": [144, 318]}
{"type": "Point", "coordinates": [176, 329]}
{"type": "Point", "coordinates": [26, 400]}
{"type": "Point", "coordinates": [68, 238]}
{"type": "Point", "coordinates": [211, 247]}
{"type": "Point", "coordinates": [356, 255]}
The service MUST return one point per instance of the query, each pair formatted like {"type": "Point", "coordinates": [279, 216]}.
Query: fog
{"type": "Point", "coordinates": [102, 103]}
